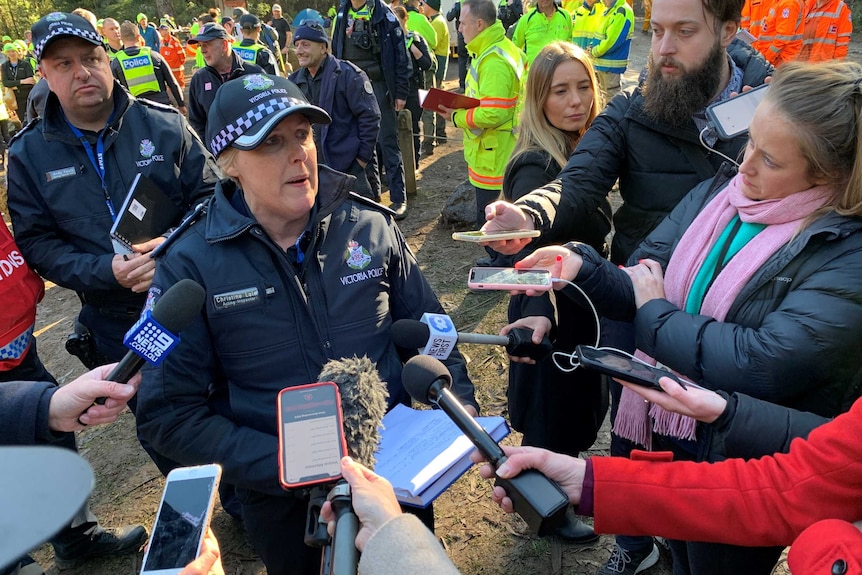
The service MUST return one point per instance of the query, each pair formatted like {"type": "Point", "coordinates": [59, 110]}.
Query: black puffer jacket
{"type": "Point", "coordinates": [652, 161]}
{"type": "Point", "coordinates": [792, 336]}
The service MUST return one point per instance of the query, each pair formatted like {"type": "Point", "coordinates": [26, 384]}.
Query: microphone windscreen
{"type": "Point", "coordinates": [410, 334]}
{"type": "Point", "coordinates": [182, 303]}
{"type": "Point", "coordinates": [420, 372]}
{"type": "Point", "coordinates": [363, 402]}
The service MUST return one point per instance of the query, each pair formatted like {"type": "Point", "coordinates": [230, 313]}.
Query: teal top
{"type": "Point", "coordinates": [734, 237]}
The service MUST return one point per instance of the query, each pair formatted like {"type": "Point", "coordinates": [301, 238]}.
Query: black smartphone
{"type": "Point", "coordinates": [310, 435]}
{"type": "Point", "coordinates": [619, 365]}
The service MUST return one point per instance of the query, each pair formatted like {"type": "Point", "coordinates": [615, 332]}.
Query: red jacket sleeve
{"type": "Point", "coordinates": [761, 502]}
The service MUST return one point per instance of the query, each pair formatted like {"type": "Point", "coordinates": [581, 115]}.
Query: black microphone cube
{"type": "Point", "coordinates": [521, 345]}
{"type": "Point", "coordinates": [538, 500]}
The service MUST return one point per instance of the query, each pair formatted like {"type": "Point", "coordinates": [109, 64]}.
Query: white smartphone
{"type": "Point", "coordinates": [731, 118]}
{"type": "Point", "coordinates": [509, 279]}
{"type": "Point", "coordinates": [480, 236]}
{"type": "Point", "coordinates": [182, 521]}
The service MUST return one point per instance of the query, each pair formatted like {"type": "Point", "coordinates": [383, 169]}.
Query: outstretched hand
{"type": "Point", "coordinates": [693, 401]}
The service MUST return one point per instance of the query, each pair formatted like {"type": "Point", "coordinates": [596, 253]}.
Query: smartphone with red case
{"type": "Point", "coordinates": [310, 435]}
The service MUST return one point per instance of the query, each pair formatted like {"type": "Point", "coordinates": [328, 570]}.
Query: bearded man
{"type": "Point", "coordinates": [648, 138]}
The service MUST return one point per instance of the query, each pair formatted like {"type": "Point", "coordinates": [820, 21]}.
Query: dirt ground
{"type": "Point", "coordinates": [477, 535]}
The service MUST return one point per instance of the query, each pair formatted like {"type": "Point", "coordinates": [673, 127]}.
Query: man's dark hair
{"type": "Point", "coordinates": [482, 9]}
{"type": "Point", "coordinates": [724, 10]}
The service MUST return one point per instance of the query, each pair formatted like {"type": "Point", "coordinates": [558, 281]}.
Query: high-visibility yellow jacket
{"type": "Point", "coordinates": [827, 31]}
{"type": "Point", "coordinates": [753, 13]}
{"type": "Point", "coordinates": [611, 53]}
{"type": "Point", "coordinates": [495, 77]}
{"type": "Point", "coordinates": [780, 38]}
{"type": "Point", "coordinates": [586, 24]}
{"type": "Point", "coordinates": [417, 22]}
{"type": "Point", "coordinates": [534, 31]}
{"type": "Point", "coordinates": [139, 71]}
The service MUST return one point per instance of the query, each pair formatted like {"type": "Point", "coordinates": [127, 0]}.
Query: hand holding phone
{"type": "Point", "coordinates": [310, 435]}
{"type": "Point", "coordinates": [621, 366]}
{"type": "Point", "coordinates": [182, 520]}
{"type": "Point", "coordinates": [479, 236]}
{"type": "Point", "coordinates": [509, 279]}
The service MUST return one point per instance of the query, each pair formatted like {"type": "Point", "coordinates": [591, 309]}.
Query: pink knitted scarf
{"type": "Point", "coordinates": [637, 419]}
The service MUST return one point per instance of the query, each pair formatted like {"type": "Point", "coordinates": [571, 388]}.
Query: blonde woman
{"type": "Point", "coordinates": [556, 410]}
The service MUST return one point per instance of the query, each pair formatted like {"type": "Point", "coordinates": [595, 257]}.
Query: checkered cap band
{"type": "Point", "coordinates": [244, 123]}
{"type": "Point", "coordinates": [92, 37]}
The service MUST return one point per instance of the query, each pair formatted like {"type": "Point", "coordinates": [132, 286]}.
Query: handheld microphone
{"type": "Point", "coordinates": [363, 404]}
{"type": "Point", "coordinates": [537, 499]}
{"type": "Point", "coordinates": [154, 335]}
{"type": "Point", "coordinates": [409, 334]}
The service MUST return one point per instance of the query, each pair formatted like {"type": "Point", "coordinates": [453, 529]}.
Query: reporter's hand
{"type": "Point", "coordinates": [503, 216]}
{"type": "Point", "coordinates": [209, 561]}
{"type": "Point", "coordinates": [71, 407]}
{"type": "Point", "coordinates": [374, 501]}
{"type": "Point", "coordinates": [647, 281]}
{"type": "Point", "coordinates": [540, 326]}
{"type": "Point", "coordinates": [561, 262]}
{"type": "Point", "coordinates": [399, 104]}
{"type": "Point", "coordinates": [697, 402]}
{"type": "Point", "coordinates": [567, 471]}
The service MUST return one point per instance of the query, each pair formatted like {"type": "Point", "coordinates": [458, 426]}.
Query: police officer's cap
{"type": "Point", "coordinates": [246, 110]}
{"type": "Point", "coordinates": [58, 24]}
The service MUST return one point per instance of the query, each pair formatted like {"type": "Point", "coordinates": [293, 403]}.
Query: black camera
{"type": "Point", "coordinates": [361, 35]}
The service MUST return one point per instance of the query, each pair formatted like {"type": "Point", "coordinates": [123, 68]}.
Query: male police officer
{"type": "Point", "coordinates": [251, 49]}
{"type": "Point", "coordinates": [143, 72]}
{"type": "Point", "coordinates": [369, 35]}
{"type": "Point", "coordinates": [70, 172]}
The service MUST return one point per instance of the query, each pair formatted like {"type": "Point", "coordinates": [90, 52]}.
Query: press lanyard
{"type": "Point", "coordinates": [97, 158]}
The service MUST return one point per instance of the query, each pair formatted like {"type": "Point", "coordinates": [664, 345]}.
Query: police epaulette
{"type": "Point", "coordinates": [25, 128]}
{"type": "Point", "coordinates": [199, 210]}
{"type": "Point", "coordinates": [371, 203]}
{"type": "Point", "coordinates": [156, 105]}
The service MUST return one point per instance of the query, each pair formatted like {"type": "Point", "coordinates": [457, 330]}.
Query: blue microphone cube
{"type": "Point", "coordinates": [149, 339]}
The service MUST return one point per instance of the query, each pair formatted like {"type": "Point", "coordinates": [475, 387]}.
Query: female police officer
{"type": "Point", "coordinates": [297, 271]}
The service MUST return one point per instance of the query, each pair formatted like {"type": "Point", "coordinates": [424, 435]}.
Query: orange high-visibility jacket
{"type": "Point", "coordinates": [753, 13]}
{"type": "Point", "coordinates": [780, 38]}
{"type": "Point", "coordinates": [827, 31]}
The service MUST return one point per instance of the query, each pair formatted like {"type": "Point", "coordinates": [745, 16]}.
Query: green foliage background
{"type": "Point", "coordinates": [16, 16]}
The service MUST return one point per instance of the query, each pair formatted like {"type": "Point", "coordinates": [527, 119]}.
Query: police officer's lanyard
{"type": "Point", "coordinates": [97, 158]}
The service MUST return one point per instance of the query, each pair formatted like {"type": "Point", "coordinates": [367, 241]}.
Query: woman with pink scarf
{"type": "Point", "coordinates": [753, 284]}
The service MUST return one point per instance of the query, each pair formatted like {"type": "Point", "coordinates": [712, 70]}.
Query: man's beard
{"type": "Point", "coordinates": [673, 101]}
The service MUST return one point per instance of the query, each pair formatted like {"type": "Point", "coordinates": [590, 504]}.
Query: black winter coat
{"type": "Point", "coordinates": [793, 336]}
{"type": "Point", "coordinates": [653, 162]}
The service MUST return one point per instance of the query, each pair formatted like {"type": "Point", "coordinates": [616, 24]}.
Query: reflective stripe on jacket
{"type": "Point", "coordinates": [611, 53]}
{"type": "Point", "coordinates": [827, 31]}
{"type": "Point", "coordinates": [780, 39]}
{"type": "Point", "coordinates": [586, 24]}
{"type": "Point", "coordinates": [534, 31]}
{"type": "Point", "coordinates": [139, 71]}
{"type": "Point", "coordinates": [495, 77]}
